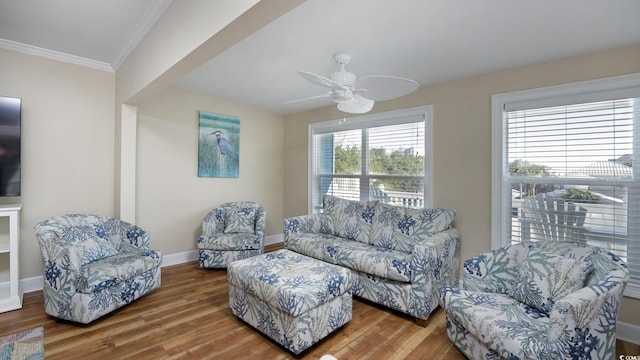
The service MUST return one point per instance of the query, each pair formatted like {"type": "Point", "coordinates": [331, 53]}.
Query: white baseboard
{"type": "Point", "coordinates": [35, 283]}
{"type": "Point", "coordinates": [31, 284]}
{"type": "Point", "coordinates": [179, 258]}
{"type": "Point", "coordinates": [628, 332]}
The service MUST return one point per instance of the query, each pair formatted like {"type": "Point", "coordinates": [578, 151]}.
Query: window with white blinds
{"type": "Point", "coordinates": [566, 167]}
{"type": "Point", "coordinates": [381, 157]}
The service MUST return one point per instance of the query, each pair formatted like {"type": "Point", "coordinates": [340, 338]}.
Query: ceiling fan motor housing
{"type": "Point", "coordinates": [344, 78]}
{"type": "Point", "coordinates": [342, 96]}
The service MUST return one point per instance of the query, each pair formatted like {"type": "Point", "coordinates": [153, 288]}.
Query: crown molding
{"type": "Point", "coordinates": [54, 55]}
{"type": "Point", "coordinates": [144, 25]}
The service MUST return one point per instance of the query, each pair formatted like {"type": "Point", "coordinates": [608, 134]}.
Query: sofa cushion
{"type": "Point", "coordinates": [544, 278]}
{"type": "Point", "coordinates": [85, 245]}
{"type": "Point", "coordinates": [312, 244]}
{"type": "Point", "coordinates": [399, 228]}
{"type": "Point", "coordinates": [230, 242]}
{"type": "Point", "coordinates": [241, 219]}
{"type": "Point", "coordinates": [116, 269]}
{"type": "Point", "coordinates": [496, 319]}
{"type": "Point", "coordinates": [351, 219]}
{"type": "Point", "coordinates": [378, 261]}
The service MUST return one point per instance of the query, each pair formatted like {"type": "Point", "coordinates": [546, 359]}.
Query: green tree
{"type": "Point", "coordinates": [348, 160]}
{"type": "Point", "coordinates": [578, 195]}
{"type": "Point", "coordinates": [398, 162]}
{"type": "Point", "coordinates": [526, 169]}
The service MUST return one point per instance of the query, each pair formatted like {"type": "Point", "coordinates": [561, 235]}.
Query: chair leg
{"type": "Point", "coordinates": [422, 322]}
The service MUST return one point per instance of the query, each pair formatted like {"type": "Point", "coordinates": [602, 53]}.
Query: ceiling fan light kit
{"type": "Point", "coordinates": [357, 96]}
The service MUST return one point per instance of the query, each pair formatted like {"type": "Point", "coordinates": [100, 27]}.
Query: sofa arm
{"type": "Point", "coordinates": [590, 313]}
{"type": "Point", "coordinates": [261, 222]}
{"type": "Point", "coordinates": [135, 236]}
{"type": "Point", "coordinates": [313, 223]}
{"type": "Point", "coordinates": [435, 263]}
{"type": "Point", "coordinates": [438, 256]}
{"type": "Point", "coordinates": [60, 266]}
{"type": "Point", "coordinates": [62, 255]}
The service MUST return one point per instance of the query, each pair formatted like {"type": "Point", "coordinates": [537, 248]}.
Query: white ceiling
{"type": "Point", "coordinates": [430, 41]}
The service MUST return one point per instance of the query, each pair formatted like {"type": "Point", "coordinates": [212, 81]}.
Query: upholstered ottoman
{"type": "Point", "coordinates": [294, 299]}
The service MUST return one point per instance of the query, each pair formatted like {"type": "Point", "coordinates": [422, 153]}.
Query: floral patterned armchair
{"type": "Point", "coordinates": [94, 265]}
{"type": "Point", "coordinates": [537, 300]}
{"type": "Point", "coordinates": [231, 231]}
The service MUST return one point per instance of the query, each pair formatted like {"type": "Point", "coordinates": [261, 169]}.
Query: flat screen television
{"type": "Point", "coordinates": [10, 118]}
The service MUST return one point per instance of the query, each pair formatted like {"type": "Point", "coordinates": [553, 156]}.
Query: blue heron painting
{"type": "Point", "coordinates": [219, 146]}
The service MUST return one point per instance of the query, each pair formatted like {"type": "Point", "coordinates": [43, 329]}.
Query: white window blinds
{"type": "Point", "coordinates": [381, 157]}
{"type": "Point", "coordinates": [570, 171]}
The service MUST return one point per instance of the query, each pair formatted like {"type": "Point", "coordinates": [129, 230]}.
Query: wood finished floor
{"type": "Point", "coordinates": [188, 317]}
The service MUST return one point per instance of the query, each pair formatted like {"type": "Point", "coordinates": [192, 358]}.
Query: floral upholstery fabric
{"type": "Point", "coordinates": [230, 242]}
{"type": "Point", "coordinates": [294, 299]}
{"type": "Point", "coordinates": [231, 231]}
{"type": "Point", "coordinates": [402, 279]}
{"type": "Point", "coordinates": [94, 265]}
{"type": "Point", "coordinates": [351, 219]}
{"type": "Point", "coordinates": [544, 278]}
{"type": "Point", "coordinates": [241, 219]}
{"type": "Point", "coordinates": [85, 245]}
{"type": "Point", "coordinates": [399, 228]}
{"type": "Point", "coordinates": [114, 269]}
{"type": "Point", "coordinates": [485, 322]}
{"type": "Point", "coordinates": [377, 261]}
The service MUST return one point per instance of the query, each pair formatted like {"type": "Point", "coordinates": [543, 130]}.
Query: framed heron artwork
{"type": "Point", "coordinates": [218, 145]}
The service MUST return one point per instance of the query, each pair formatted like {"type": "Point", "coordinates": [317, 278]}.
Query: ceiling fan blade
{"type": "Point", "coordinates": [325, 95]}
{"type": "Point", "coordinates": [359, 105]}
{"type": "Point", "coordinates": [321, 80]}
{"type": "Point", "coordinates": [383, 87]}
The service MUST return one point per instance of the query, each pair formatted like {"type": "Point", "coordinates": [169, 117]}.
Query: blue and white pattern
{"type": "Point", "coordinates": [351, 219]}
{"type": "Point", "coordinates": [230, 232]}
{"type": "Point", "coordinates": [94, 265]}
{"type": "Point", "coordinates": [292, 298]}
{"type": "Point", "coordinates": [404, 275]}
{"type": "Point", "coordinates": [485, 322]}
{"type": "Point", "coordinates": [399, 228]}
{"type": "Point", "coordinates": [544, 278]}
{"type": "Point", "coordinates": [241, 219]}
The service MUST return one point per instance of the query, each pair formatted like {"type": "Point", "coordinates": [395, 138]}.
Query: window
{"type": "Point", "coordinates": [566, 166]}
{"type": "Point", "coordinates": [393, 168]}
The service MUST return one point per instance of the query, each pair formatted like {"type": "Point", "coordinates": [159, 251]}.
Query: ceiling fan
{"type": "Point", "coordinates": [357, 96]}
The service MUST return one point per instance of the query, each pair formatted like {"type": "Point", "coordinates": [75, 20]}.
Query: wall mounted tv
{"type": "Point", "coordinates": [10, 117]}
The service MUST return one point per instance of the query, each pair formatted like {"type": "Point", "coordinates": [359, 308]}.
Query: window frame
{"type": "Point", "coordinates": [584, 91]}
{"type": "Point", "coordinates": [375, 120]}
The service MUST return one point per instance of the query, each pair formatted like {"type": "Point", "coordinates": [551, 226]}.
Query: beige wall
{"type": "Point", "coordinates": [462, 140]}
{"type": "Point", "coordinates": [188, 34]}
{"type": "Point", "coordinates": [68, 149]}
{"type": "Point", "coordinates": [67, 143]}
{"type": "Point", "coordinates": [68, 155]}
{"type": "Point", "coordinates": [171, 198]}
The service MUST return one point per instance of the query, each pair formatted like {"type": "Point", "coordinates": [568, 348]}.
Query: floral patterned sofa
{"type": "Point", "coordinates": [94, 265]}
{"type": "Point", "coordinates": [399, 257]}
{"type": "Point", "coordinates": [537, 300]}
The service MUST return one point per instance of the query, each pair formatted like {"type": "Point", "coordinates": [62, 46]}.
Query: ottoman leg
{"type": "Point", "coordinates": [422, 322]}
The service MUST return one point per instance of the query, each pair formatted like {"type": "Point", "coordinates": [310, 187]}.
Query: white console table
{"type": "Point", "coordinates": [11, 293]}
